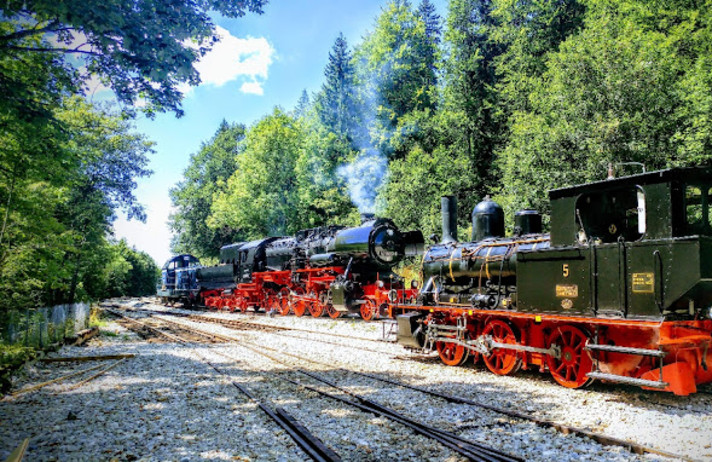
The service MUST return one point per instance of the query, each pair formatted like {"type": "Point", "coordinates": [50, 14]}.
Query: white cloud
{"type": "Point", "coordinates": [234, 58]}
{"type": "Point", "coordinates": [254, 88]}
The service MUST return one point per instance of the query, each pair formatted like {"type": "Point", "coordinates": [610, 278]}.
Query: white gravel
{"type": "Point", "coordinates": [167, 404]}
{"type": "Point", "coordinates": [164, 404]}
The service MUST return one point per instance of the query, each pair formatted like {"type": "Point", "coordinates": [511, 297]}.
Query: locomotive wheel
{"type": "Point", "coordinates": [571, 368]}
{"type": "Point", "coordinates": [333, 314]}
{"type": "Point", "coordinates": [501, 361]}
{"type": "Point", "coordinates": [283, 302]}
{"type": "Point", "coordinates": [452, 354]}
{"type": "Point", "coordinates": [368, 310]}
{"type": "Point", "coordinates": [242, 305]}
{"type": "Point", "coordinates": [298, 306]}
{"type": "Point", "coordinates": [316, 309]}
{"type": "Point", "coordinates": [272, 302]}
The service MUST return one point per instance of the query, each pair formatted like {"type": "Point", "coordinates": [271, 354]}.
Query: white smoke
{"type": "Point", "coordinates": [364, 176]}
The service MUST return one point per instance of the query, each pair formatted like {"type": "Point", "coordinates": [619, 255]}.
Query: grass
{"type": "Point", "coordinates": [12, 358]}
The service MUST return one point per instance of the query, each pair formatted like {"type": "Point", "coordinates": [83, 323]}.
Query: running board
{"type": "Point", "coordinates": [626, 350]}
{"type": "Point", "coordinates": [627, 380]}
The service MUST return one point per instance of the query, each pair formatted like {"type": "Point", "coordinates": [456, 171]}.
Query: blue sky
{"type": "Point", "coordinates": [262, 62]}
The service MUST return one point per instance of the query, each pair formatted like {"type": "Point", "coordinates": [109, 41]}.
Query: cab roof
{"type": "Point", "coordinates": [659, 176]}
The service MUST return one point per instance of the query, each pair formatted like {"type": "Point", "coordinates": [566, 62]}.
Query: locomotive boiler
{"type": "Point", "coordinates": [618, 291]}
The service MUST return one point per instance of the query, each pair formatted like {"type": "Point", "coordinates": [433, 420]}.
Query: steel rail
{"type": "Point", "coordinates": [309, 443]}
{"type": "Point", "coordinates": [244, 322]}
{"type": "Point", "coordinates": [605, 440]}
{"type": "Point", "coordinates": [469, 449]}
{"type": "Point", "coordinates": [237, 323]}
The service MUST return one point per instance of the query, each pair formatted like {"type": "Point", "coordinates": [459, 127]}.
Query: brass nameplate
{"type": "Point", "coordinates": [567, 291]}
{"type": "Point", "coordinates": [643, 283]}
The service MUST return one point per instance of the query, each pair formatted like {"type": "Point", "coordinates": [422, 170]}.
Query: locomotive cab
{"type": "Point", "coordinates": [631, 247]}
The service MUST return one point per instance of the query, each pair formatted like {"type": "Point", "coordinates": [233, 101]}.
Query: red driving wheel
{"type": "Point", "coordinates": [574, 362]}
{"type": "Point", "coordinates": [501, 361]}
{"type": "Point", "coordinates": [451, 353]}
{"type": "Point", "coordinates": [368, 310]}
{"type": "Point", "coordinates": [283, 301]}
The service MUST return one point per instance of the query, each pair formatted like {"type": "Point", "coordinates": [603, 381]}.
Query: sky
{"type": "Point", "coordinates": [262, 61]}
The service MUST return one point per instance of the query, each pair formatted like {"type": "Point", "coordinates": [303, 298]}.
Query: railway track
{"type": "Point", "coordinates": [562, 428]}
{"type": "Point", "coordinates": [310, 444]}
{"type": "Point", "coordinates": [470, 450]}
{"type": "Point", "coordinates": [281, 330]}
{"type": "Point", "coordinates": [238, 323]}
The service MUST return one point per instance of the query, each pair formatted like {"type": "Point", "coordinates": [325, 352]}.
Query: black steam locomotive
{"type": "Point", "coordinates": [620, 290]}
{"type": "Point", "coordinates": [330, 269]}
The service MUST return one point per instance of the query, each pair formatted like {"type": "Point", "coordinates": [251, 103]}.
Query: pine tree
{"type": "Point", "coordinates": [336, 103]}
{"type": "Point", "coordinates": [470, 78]}
{"type": "Point", "coordinates": [426, 11]}
{"type": "Point", "coordinates": [429, 49]}
{"type": "Point", "coordinates": [300, 110]}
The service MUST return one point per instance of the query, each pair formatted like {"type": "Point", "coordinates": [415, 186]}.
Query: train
{"type": "Point", "coordinates": [619, 289]}
{"type": "Point", "coordinates": [330, 270]}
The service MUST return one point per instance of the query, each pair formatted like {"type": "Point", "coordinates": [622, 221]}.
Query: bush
{"type": "Point", "coordinates": [13, 357]}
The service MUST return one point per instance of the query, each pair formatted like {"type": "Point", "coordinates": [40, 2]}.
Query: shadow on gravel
{"type": "Point", "coordinates": [159, 405]}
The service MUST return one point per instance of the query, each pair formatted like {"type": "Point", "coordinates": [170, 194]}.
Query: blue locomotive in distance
{"type": "Point", "coordinates": [178, 278]}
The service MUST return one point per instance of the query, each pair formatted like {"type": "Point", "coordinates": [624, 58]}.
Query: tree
{"type": "Point", "coordinates": [260, 198]}
{"type": "Point", "coordinates": [322, 194]}
{"type": "Point", "coordinates": [470, 79]}
{"type": "Point", "coordinates": [55, 233]}
{"type": "Point", "coordinates": [141, 49]}
{"type": "Point", "coordinates": [112, 158]}
{"type": "Point", "coordinates": [128, 272]}
{"type": "Point", "coordinates": [620, 90]}
{"type": "Point", "coordinates": [336, 103]}
{"type": "Point", "coordinates": [205, 178]}
{"type": "Point", "coordinates": [433, 30]}
{"type": "Point", "coordinates": [527, 33]}
{"type": "Point", "coordinates": [303, 105]}
{"type": "Point", "coordinates": [394, 72]}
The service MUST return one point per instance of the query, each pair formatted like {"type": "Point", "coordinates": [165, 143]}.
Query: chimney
{"type": "Point", "coordinates": [449, 215]}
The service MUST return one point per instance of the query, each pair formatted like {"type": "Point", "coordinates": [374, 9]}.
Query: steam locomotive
{"type": "Point", "coordinates": [620, 290]}
{"type": "Point", "coordinates": [328, 270]}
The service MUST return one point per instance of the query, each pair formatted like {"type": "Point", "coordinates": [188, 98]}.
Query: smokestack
{"type": "Point", "coordinates": [449, 214]}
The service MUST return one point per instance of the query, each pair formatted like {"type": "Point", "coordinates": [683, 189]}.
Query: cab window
{"type": "Point", "coordinates": [608, 216]}
{"type": "Point", "coordinates": [697, 219]}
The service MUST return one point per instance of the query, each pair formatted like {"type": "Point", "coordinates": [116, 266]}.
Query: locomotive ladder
{"type": "Point", "coordinates": [597, 374]}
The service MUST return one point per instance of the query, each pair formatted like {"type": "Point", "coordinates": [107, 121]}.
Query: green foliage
{"type": "Point", "coordinates": [322, 196]}
{"type": "Point", "coordinates": [68, 167]}
{"type": "Point", "coordinates": [140, 49]}
{"type": "Point", "coordinates": [12, 357]}
{"type": "Point", "coordinates": [205, 177]}
{"type": "Point", "coordinates": [396, 65]}
{"type": "Point", "coordinates": [260, 199]}
{"type": "Point", "coordinates": [513, 98]}
{"type": "Point", "coordinates": [620, 90]}
{"type": "Point", "coordinates": [55, 220]}
{"type": "Point", "coordinates": [128, 272]}
{"type": "Point", "coordinates": [336, 103]}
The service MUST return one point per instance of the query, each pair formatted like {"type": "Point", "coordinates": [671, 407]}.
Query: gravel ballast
{"type": "Point", "coordinates": [168, 404]}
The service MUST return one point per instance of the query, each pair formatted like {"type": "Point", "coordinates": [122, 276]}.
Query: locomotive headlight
{"type": "Point", "coordinates": [709, 312]}
{"type": "Point", "coordinates": [380, 284]}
